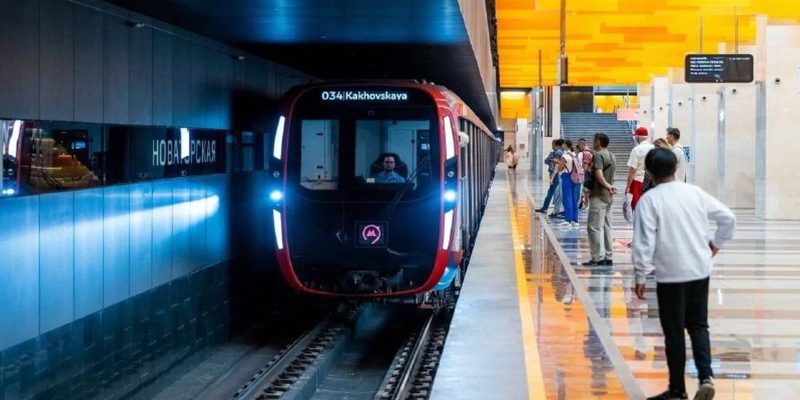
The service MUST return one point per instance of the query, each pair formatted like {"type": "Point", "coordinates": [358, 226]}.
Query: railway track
{"type": "Point", "coordinates": [385, 352]}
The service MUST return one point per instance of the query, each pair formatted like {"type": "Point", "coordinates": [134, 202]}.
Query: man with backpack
{"type": "Point", "coordinates": [601, 191]}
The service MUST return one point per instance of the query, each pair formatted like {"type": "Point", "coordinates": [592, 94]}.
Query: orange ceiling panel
{"type": "Point", "coordinates": [621, 41]}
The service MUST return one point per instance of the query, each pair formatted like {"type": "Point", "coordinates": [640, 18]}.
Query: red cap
{"type": "Point", "coordinates": [641, 131]}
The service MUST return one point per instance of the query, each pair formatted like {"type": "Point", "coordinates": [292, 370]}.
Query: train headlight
{"type": "Point", "coordinates": [450, 195]}
{"type": "Point", "coordinates": [276, 195]}
{"type": "Point", "coordinates": [276, 222]}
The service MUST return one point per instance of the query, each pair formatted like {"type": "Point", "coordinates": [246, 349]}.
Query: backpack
{"type": "Point", "coordinates": [576, 175]}
{"type": "Point", "coordinates": [514, 160]}
{"type": "Point", "coordinates": [589, 180]}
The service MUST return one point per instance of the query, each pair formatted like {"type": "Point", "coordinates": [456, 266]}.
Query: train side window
{"type": "Point", "coordinates": [319, 160]}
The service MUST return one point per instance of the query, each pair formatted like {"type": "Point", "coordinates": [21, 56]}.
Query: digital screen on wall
{"type": "Point", "coordinates": [718, 68]}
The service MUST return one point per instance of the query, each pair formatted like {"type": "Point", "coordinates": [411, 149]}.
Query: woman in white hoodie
{"type": "Point", "coordinates": [670, 238]}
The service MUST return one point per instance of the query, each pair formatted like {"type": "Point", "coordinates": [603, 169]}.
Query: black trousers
{"type": "Point", "coordinates": [684, 305]}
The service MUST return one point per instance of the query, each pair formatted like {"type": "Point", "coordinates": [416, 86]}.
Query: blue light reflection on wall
{"type": "Point", "coordinates": [96, 247]}
{"type": "Point", "coordinates": [357, 21]}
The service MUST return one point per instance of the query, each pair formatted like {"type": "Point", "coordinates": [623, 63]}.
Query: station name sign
{"type": "Point", "coordinates": [176, 152]}
{"type": "Point", "coordinates": [718, 68]}
{"type": "Point", "coordinates": [363, 95]}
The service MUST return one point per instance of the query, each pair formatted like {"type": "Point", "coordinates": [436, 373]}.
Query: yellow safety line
{"type": "Point", "coordinates": [533, 365]}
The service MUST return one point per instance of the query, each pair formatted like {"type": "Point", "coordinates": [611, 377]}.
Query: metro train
{"type": "Point", "coordinates": [377, 188]}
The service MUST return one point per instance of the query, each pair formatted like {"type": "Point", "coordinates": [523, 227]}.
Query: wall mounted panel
{"type": "Point", "coordinates": [199, 85]}
{"type": "Point", "coordinates": [141, 237]}
{"type": "Point", "coordinates": [181, 223]}
{"type": "Point", "coordinates": [197, 229]}
{"type": "Point", "coordinates": [162, 78]}
{"type": "Point", "coordinates": [116, 70]}
{"type": "Point", "coordinates": [57, 53]}
{"type": "Point", "coordinates": [216, 228]}
{"type": "Point", "coordinates": [56, 259]}
{"type": "Point", "coordinates": [181, 82]}
{"type": "Point", "coordinates": [88, 69]}
{"type": "Point", "coordinates": [19, 270]}
{"type": "Point", "coordinates": [116, 244]}
{"type": "Point", "coordinates": [88, 251]}
{"type": "Point", "coordinates": [162, 231]}
{"type": "Point", "coordinates": [141, 75]}
{"type": "Point", "coordinates": [19, 30]}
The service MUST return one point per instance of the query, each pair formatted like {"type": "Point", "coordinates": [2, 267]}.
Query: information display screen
{"type": "Point", "coordinates": [718, 68]}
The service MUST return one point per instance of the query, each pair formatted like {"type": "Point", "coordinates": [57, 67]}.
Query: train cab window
{"type": "Point", "coordinates": [40, 158]}
{"type": "Point", "coordinates": [392, 151]}
{"type": "Point", "coordinates": [319, 159]}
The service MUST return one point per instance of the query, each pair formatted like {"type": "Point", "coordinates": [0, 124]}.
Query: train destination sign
{"type": "Point", "coordinates": [363, 95]}
{"type": "Point", "coordinates": [718, 68]}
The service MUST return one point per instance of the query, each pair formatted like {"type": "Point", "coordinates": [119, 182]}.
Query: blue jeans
{"type": "Point", "coordinates": [550, 192]}
{"type": "Point", "coordinates": [577, 189]}
{"type": "Point", "coordinates": [570, 207]}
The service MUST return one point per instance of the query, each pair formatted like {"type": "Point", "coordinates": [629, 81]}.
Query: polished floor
{"type": "Point", "coordinates": [596, 340]}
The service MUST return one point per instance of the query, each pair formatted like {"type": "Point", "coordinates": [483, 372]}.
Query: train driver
{"type": "Point", "coordinates": [388, 175]}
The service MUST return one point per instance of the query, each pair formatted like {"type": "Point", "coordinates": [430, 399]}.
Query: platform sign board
{"type": "Point", "coordinates": [627, 114]}
{"type": "Point", "coordinates": [718, 68]}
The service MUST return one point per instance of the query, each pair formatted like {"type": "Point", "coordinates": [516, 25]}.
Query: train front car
{"type": "Point", "coordinates": [368, 206]}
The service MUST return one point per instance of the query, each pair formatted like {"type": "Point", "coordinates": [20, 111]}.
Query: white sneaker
{"type": "Point", "coordinates": [575, 225]}
{"type": "Point", "coordinates": [564, 224]}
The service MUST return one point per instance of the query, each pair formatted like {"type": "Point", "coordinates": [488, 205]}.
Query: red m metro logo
{"type": "Point", "coordinates": [371, 233]}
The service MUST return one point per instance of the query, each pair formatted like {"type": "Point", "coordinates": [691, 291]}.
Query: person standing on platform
{"type": "Point", "coordinates": [585, 158]}
{"type": "Point", "coordinates": [674, 137]}
{"type": "Point", "coordinates": [601, 193]}
{"type": "Point", "coordinates": [636, 165]}
{"type": "Point", "coordinates": [670, 237]}
{"type": "Point", "coordinates": [565, 167]}
{"type": "Point", "coordinates": [551, 161]}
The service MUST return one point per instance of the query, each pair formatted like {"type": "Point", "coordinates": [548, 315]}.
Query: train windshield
{"type": "Point", "coordinates": [364, 146]}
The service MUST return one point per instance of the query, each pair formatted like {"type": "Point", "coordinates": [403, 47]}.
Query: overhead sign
{"type": "Point", "coordinates": [627, 114]}
{"type": "Point", "coordinates": [363, 95]}
{"type": "Point", "coordinates": [718, 68]}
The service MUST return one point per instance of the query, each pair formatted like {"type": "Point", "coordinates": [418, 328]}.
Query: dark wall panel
{"type": "Point", "coordinates": [88, 252]}
{"type": "Point", "coordinates": [56, 235]}
{"type": "Point", "coordinates": [214, 105]}
{"type": "Point", "coordinates": [198, 217]}
{"type": "Point", "coordinates": [88, 68]}
{"type": "Point", "coordinates": [162, 78]}
{"type": "Point", "coordinates": [116, 70]}
{"type": "Point", "coordinates": [57, 37]}
{"type": "Point", "coordinates": [181, 227]}
{"type": "Point", "coordinates": [141, 237]}
{"type": "Point", "coordinates": [199, 85]}
{"type": "Point", "coordinates": [226, 90]}
{"type": "Point", "coordinates": [19, 69]}
{"type": "Point", "coordinates": [141, 77]}
{"type": "Point", "coordinates": [181, 82]}
{"type": "Point", "coordinates": [162, 231]}
{"type": "Point", "coordinates": [116, 244]}
{"type": "Point", "coordinates": [19, 270]}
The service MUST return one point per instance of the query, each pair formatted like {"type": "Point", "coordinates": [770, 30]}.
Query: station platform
{"type": "Point", "coordinates": [532, 323]}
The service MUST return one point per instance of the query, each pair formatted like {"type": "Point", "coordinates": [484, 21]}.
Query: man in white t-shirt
{"type": "Point", "coordinates": [674, 137]}
{"type": "Point", "coordinates": [636, 164]}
